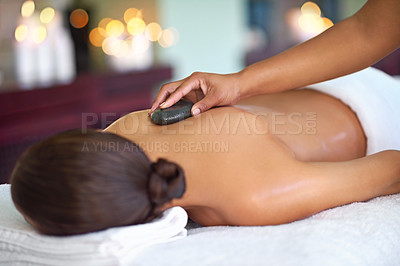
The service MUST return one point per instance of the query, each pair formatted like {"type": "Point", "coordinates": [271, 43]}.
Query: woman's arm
{"type": "Point", "coordinates": [311, 187]}
{"type": "Point", "coordinates": [339, 183]}
{"type": "Point", "coordinates": [349, 46]}
{"type": "Point", "coordinates": [356, 180]}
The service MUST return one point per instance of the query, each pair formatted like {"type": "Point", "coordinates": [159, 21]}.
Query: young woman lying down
{"type": "Point", "coordinates": [268, 160]}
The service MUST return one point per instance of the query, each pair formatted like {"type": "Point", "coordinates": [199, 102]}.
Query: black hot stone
{"type": "Point", "coordinates": [173, 114]}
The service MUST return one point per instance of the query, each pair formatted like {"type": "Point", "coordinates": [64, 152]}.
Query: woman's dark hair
{"type": "Point", "coordinates": [74, 183]}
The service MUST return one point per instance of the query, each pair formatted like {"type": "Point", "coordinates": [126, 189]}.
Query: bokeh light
{"type": "Point", "coordinates": [167, 38]}
{"type": "Point", "coordinates": [311, 23]}
{"type": "Point", "coordinates": [123, 50]}
{"type": "Point", "coordinates": [27, 9]}
{"type": "Point", "coordinates": [327, 23]}
{"type": "Point", "coordinates": [21, 32]}
{"type": "Point", "coordinates": [115, 28]}
{"type": "Point", "coordinates": [47, 15]}
{"type": "Point", "coordinates": [132, 38]}
{"type": "Point", "coordinates": [131, 13]}
{"type": "Point", "coordinates": [175, 32]}
{"type": "Point", "coordinates": [292, 18]}
{"type": "Point", "coordinates": [310, 8]}
{"type": "Point", "coordinates": [310, 20]}
{"type": "Point", "coordinates": [103, 23]}
{"type": "Point", "coordinates": [139, 44]}
{"type": "Point", "coordinates": [153, 31]}
{"type": "Point", "coordinates": [79, 18]}
{"type": "Point", "coordinates": [136, 26]}
{"type": "Point", "coordinates": [39, 34]}
{"type": "Point", "coordinates": [97, 36]}
{"type": "Point", "coordinates": [111, 46]}
{"type": "Point", "coordinates": [139, 14]}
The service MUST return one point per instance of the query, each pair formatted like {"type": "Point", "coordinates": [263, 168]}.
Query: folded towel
{"type": "Point", "coordinates": [21, 244]}
{"type": "Point", "coordinates": [375, 97]}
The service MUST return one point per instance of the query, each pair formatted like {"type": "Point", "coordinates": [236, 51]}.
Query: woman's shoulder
{"type": "Point", "coordinates": [131, 123]}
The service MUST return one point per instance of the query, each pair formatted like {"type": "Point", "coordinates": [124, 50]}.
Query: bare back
{"type": "Point", "coordinates": [235, 156]}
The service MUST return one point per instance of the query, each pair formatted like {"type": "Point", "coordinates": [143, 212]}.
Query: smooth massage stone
{"type": "Point", "coordinates": [173, 114]}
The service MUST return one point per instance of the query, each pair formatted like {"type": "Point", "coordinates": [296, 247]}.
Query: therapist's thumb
{"type": "Point", "coordinates": [203, 105]}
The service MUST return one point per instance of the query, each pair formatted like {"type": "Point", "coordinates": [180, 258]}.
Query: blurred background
{"type": "Point", "coordinates": [84, 63]}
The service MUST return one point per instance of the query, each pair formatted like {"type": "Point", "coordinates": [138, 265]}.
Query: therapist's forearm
{"type": "Point", "coordinates": [347, 47]}
{"type": "Point", "coordinates": [326, 56]}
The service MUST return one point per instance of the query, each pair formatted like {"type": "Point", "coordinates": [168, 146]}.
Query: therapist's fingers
{"type": "Point", "coordinates": [163, 94]}
{"type": "Point", "coordinates": [187, 86]}
{"type": "Point", "coordinates": [194, 96]}
{"type": "Point", "coordinates": [203, 105]}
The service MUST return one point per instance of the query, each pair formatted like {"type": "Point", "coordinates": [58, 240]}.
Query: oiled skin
{"type": "Point", "coordinates": [270, 159]}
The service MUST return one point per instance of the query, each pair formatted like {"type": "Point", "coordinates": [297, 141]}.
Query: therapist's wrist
{"type": "Point", "coordinates": [260, 78]}
{"type": "Point", "coordinates": [234, 87]}
{"type": "Point", "coordinates": [245, 84]}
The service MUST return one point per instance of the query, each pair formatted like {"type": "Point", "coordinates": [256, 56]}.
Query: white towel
{"type": "Point", "coordinates": [21, 244]}
{"type": "Point", "coordinates": [375, 97]}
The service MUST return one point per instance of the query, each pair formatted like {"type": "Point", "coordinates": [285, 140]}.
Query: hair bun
{"type": "Point", "coordinates": [166, 182]}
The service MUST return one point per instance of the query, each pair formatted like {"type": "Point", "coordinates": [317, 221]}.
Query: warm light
{"type": "Point", "coordinates": [136, 26]}
{"type": "Point", "coordinates": [311, 8]}
{"type": "Point", "coordinates": [139, 44]}
{"type": "Point", "coordinates": [115, 28]}
{"type": "Point", "coordinates": [131, 13]}
{"type": "Point", "coordinates": [27, 9]}
{"type": "Point", "coordinates": [292, 19]}
{"type": "Point", "coordinates": [139, 14]}
{"type": "Point", "coordinates": [103, 23]}
{"type": "Point", "coordinates": [175, 34]}
{"type": "Point", "coordinates": [21, 32]}
{"type": "Point", "coordinates": [79, 18]}
{"type": "Point", "coordinates": [111, 46]}
{"type": "Point", "coordinates": [153, 31]}
{"type": "Point", "coordinates": [39, 34]}
{"type": "Point", "coordinates": [97, 36]}
{"type": "Point", "coordinates": [327, 23]}
{"type": "Point", "coordinates": [311, 23]}
{"type": "Point", "coordinates": [167, 38]}
{"type": "Point", "coordinates": [123, 49]}
{"type": "Point", "coordinates": [310, 20]}
{"type": "Point", "coordinates": [47, 15]}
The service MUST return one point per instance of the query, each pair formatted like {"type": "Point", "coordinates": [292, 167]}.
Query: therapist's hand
{"type": "Point", "coordinates": [205, 90]}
